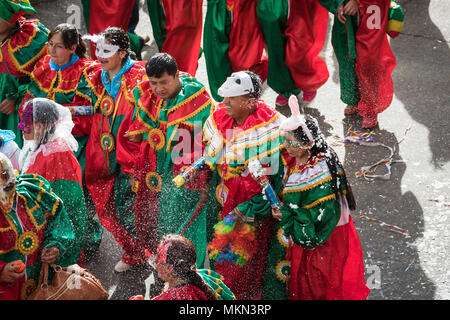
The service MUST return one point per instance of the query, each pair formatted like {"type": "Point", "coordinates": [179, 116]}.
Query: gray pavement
{"type": "Point", "coordinates": [402, 222]}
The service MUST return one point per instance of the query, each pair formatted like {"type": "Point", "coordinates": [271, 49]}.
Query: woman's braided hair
{"type": "Point", "coordinates": [183, 256]}
{"type": "Point", "coordinates": [320, 145]}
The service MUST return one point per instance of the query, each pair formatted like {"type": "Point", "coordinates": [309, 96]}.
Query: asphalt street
{"type": "Point", "coordinates": [403, 221]}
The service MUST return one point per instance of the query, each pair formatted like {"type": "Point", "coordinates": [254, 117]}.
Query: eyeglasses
{"type": "Point", "coordinates": [294, 144]}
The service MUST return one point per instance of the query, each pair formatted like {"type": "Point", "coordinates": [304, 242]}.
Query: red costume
{"type": "Point", "coordinates": [110, 155]}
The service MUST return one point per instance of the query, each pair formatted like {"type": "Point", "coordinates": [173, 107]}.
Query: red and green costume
{"type": "Point", "coordinates": [294, 32]}
{"type": "Point", "coordinates": [233, 41]}
{"type": "Point", "coordinates": [242, 237]}
{"type": "Point", "coordinates": [110, 157]}
{"type": "Point", "coordinates": [19, 53]}
{"type": "Point", "coordinates": [173, 139]}
{"type": "Point", "coordinates": [38, 220]}
{"type": "Point", "coordinates": [364, 55]}
{"type": "Point", "coordinates": [316, 254]}
{"type": "Point", "coordinates": [62, 170]}
{"type": "Point", "coordinates": [68, 87]}
{"type": "Point", "coordinates": [177, 29]}
{"type": "Point", "coordinates": [191, 292]}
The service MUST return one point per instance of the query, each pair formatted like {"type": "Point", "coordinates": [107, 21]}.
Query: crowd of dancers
{"type": "Point", "coordinates": [184, 178]}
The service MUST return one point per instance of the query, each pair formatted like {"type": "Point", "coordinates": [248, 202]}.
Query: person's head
{"type": "Point", "coordinates": [44, 120]}
{"type": "Point", "coordinates": [63, 41]}
{"type": "Point", "coordinates": [241, 92]}
{"type": "Point", "coordinates": [176, 259]}
{"type": "Point", "coordinates": [112, 48]}
{"type": "Point", "coordinates": [175, 254]}
{"type": "Point", "coordinates": [39, 119]}
{"type": "Point", "coordinates": [306, 139]}
{"type": "Point", "coordinates": [302, 136]}
{"type": "Point", "coordinates": [163, 75]}
{"type": "Point", "coordinates": [7, 184]}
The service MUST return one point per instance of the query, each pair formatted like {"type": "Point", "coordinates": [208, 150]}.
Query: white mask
{"type": "Point", "coordinates": [102, 49]}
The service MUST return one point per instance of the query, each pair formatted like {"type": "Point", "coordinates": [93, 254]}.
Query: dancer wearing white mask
{"type": "Point", "coordinates": [114, 141]}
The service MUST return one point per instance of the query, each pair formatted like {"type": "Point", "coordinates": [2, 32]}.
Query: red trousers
{"type": "Point", "coordinates": [246, 40]}
{"type": "Point", "coordinates": [306, 32]}
{"type": "Point", "coordinates": [183, 22]}
{"type": "Point", "coordinates": [375, 61]}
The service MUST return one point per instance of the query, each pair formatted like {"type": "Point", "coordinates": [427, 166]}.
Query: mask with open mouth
{"type": "Point", "coordinates": [7, 184]}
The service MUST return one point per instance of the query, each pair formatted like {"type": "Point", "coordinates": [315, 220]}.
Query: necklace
{"type": "Point", "coordinates": [107, 141]}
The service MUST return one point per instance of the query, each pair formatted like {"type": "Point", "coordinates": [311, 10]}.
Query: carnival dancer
{"type": "Point", "coordinates": [22, 45]}
{"type": "Point", "coordinates": [294, 32]}
{"type": "Point", "coordinates": [48, 152]}
{"type": "Point", "coordinates": [177, 29]}
{"type": "Point", "coordinates": [173, 109]}
{"type": "Point", "coordinates": [364, 55]}
{"type": "Point", "coordinates": [242, 129]}
{"type": "Point", "coordinates": [319, 243]}
{"type": "Point", "coordinates": [111, 148]}
{"type": "Point", "coordinates": [34, 227]}
{"type": "Point", "coordinates": [232, 41]}
{"type": "Point", "coordinates": [175, 264]}
{"type": "Point", "coordinates": [61, 76]}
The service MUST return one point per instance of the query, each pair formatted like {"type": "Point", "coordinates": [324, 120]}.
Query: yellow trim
{"type": "Point", "coordinates": [13, 228]}
{"type": "Point", "coordinates": [198, 110]}
{"type": "Point", "coordinates": [136, 132]}
{"type": "Point", "coordinates": [21, 68]}
{"type": "Point", "coordinates": [152, 174]}
{"type": "Point", "coordinates": [171, 138]}
{"type": "Point", "coordinates": [275, 117]}
{"type": "Point", "coordinates": [395, 25]}
{"type": "Point", "coordinates": [313, 185]}
{"type": "Point", "coordinates": [182, 103]}
{"type": "Point", "coordinates": [82, 95]}
{"type": "Point", "coordinates": [34, 245]}
{"type": "Point", "coordinates": [326, 198]}
{"type": "Point", "coordinates": [161, 136]}
{"type": "Point", "coordinates": [140, 107]}
{"type": "Point", "coordinates": [278, 270]}
{"type": "Point", "coordinates": [254, 144]}
{"type": "Point", "coordinates": [48, 91]}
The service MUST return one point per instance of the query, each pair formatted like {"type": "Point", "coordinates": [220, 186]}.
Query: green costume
{"type": "Point", "coordinates": [274, 16]}
{"type": "Point", "coordinates": [174, 140]}
{"type": "Point", "coordinates": [20, 50]}
{"type": "Point", "coordinates": [38, 220]}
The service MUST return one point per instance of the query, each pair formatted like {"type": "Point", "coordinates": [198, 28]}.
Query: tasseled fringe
{"type": "Point", "coordinates": [234, 241]}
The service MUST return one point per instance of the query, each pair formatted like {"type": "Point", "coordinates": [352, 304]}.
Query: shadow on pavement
{"type": "Point", "coordinates": [421, 76]}
{"type": "Point", "coordinates": [388, 222]}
